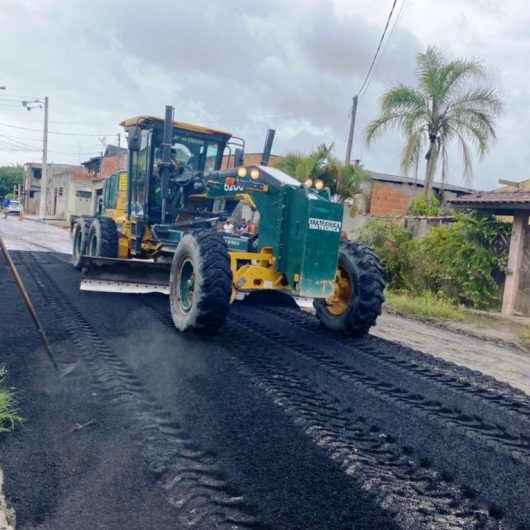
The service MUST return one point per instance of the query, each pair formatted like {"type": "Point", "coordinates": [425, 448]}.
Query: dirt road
{"type": "Point", "coordinates": [273, 424]}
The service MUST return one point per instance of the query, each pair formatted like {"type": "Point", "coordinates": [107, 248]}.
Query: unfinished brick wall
{"type": "Point", "coordinates": [111, 164]}
{"type": "Point", "coordinates": [388, 200]}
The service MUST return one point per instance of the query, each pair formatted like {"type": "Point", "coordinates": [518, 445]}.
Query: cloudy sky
{"type": "Point", "coordinates": [245, 66]}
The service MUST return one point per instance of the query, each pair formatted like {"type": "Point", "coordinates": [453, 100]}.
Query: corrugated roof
{"type": "Point", "coordinates": [494, 197]}
{"type": "Point", "coordinates": [387, 177]}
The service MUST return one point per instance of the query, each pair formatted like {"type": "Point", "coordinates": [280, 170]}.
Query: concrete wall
{"type": "Point", "coordinates": [522, 304]}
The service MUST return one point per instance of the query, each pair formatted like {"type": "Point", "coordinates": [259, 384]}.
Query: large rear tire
{"type": "Point", "coordinates": [103, 238]}
{"type": "Point", "coordinates": [80, 233]}
{"type": "Point", "coordinates": [358, 296]}
{"type": "Point", "coordinates": [200, 282]}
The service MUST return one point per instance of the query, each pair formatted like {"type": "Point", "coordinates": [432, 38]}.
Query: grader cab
{"type": "Point", "coordinates": [169, 225]}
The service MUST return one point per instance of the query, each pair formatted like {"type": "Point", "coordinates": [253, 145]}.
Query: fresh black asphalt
{"type": "Point", "coordinates": [272, 424]}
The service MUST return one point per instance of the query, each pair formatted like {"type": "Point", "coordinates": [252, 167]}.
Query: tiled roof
{"type": "Point", "coordinates": [494, 197]}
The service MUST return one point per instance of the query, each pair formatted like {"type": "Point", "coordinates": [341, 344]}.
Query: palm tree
{"type": "Point", "coordinates": [322, 164]}
{"type": "Point", "coordinates": [444, 107]}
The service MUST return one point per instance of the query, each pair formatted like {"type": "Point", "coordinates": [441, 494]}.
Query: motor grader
{"type": "Point", "coordinates": [162, 227]}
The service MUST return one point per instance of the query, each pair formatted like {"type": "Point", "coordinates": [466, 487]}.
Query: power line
{"type": "Point", "coordinates": [55, 132]}
{"type": "Point", "coordinates": [17, 142]}
{"type": "Point", "coordinates": [372, 64]}
{"type": "Point", "coordinates": [396, 20]}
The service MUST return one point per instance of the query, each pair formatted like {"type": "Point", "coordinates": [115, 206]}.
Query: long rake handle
{"type": "Point", "coordinates": [28, 303]}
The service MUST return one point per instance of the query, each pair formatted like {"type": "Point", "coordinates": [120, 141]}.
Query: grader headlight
{"type": "Point", "coordinates": [308, 183]}
{"type": "Point", "coordinates": [319, 184]}
{"type": "Point", "coordinates": [254, 174]}
{"type": "Point", "coordinates": [241, 172]}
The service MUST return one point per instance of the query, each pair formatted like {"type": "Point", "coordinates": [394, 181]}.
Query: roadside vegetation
{"type": "Point", "coordinates": [425, 305]}
{"type": "Point", "coordinates": [10, 176]}
{"type": "Point", "coordinates": [321, 164]}
{"type": "Point", "coordinates": [461, 264]}
{"type": "Point", "coordinates": [8, 413]}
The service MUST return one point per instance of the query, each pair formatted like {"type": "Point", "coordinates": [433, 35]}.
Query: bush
{"type": "Point", "coordinates": [464, 259]}
{"type": "Point", "coordinates": [462, 262]}
{"type": "Point", "coordinates": [420, 206]}
{"type": "Point", "coordinates": [394, 246]}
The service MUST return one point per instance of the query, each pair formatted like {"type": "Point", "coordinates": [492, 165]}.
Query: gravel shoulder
{"type": "Point", "coordinates": [503, 362]}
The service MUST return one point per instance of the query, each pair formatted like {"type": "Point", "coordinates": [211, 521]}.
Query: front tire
{"type": "Point", "coordinates": [103, 238]}
{"type": "Point", "coordinates": [200, 282]}
{"type": "Point", "coordinates": [358, 296]}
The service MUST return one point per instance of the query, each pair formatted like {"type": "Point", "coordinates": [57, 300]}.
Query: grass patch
{"type": "Point", "coordinates": [426, 305]}
{"type": "Point", "coordinates": [8, 414]}
{"type": "Point", "coordinates": [524, 337]}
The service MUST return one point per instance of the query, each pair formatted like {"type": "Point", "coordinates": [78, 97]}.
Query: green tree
{"type": "Point", "coordinates": [322, 164]}
{"type": "Point", "coordinates": [9, 177]}
{"type": "Point", "coordinates": [447, 105]}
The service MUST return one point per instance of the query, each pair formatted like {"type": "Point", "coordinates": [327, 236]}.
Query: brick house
{"type": "Point", "coordinates": [99, 168]}
{"type": "Point", "coordinates": [390, 195]}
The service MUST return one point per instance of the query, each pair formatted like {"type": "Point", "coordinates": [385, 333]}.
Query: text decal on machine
{"type": "Point", "coordinates": [324, 224]}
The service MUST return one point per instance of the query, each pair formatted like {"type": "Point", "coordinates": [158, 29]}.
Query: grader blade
{"type": "Point", "coordinates": [112, 275]}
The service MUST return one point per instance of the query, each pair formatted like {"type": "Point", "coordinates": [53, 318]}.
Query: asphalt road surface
{"type": "Point", "coordinates": [273, 424]}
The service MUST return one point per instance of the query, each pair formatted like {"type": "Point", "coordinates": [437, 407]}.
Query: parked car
{"type": "Point", "coordinates": [14, 207]}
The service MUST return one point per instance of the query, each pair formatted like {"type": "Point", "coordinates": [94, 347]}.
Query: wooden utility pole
{"type": "Point", "coordinates": [44, 171]}
{"type": "Point", "coordinates": [349, 143]}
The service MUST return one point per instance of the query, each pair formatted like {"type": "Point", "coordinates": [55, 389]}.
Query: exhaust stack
{"type": "Point", "coordinates": [269, 139]}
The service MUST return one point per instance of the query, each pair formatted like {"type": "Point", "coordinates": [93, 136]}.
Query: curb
{"type": "Point", "coordinates": [7, 514]}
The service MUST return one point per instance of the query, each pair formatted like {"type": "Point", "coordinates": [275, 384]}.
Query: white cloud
{"type": "Point", "coordinates": [245, 66]}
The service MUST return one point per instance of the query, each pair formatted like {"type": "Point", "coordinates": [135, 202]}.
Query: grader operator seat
{"type": "Point", "coordinates": [167, 165]}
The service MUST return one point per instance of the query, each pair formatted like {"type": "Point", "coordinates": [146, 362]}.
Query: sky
{"type": "Point", "coordinates": [245, 66]}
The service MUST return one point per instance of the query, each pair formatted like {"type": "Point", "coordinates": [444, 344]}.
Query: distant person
{"type": "Point", "coordinates": [228, 227]}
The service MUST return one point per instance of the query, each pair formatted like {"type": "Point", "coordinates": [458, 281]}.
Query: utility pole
{"type": "Point", "coordinates": [349, 143]}
{"type": "Point", "coordinates": [44, 173]}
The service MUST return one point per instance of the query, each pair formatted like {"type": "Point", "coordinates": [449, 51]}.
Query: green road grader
{"type": "Point", "coordinates": [167, 225]}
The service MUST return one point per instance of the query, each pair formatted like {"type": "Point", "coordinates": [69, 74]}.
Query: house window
{"type": "Point", "coordinates": [61, 189]}
{"type": "Point", "coordinates": [31, 194]}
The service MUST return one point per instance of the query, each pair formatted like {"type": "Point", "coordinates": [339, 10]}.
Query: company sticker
{"type": "Point", "coordinates": [324, 224]}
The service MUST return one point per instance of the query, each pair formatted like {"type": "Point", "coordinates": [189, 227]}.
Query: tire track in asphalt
{"type": "Point", "coordinates": [418, 497]}
{"type": "Point", "coordinates": [193, 481]}
{"type": "Point", "coordinates": [463, 380]}
{"type": "Point", "coordinates": [486, 467]}
{"type": "Point", "coordinates": [415, 494]}
{"type": "Point", "coordinates": [393, 380]}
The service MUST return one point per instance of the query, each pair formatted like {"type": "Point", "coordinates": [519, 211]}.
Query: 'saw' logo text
{"type": "Point", "coordinates": [233, 187]}
{"type": "Point", "coordinates": [324, 224]}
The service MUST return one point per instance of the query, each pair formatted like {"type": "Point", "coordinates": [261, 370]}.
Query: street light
{"type": "Point", "coordinates": [33, 104]}
{"type": "Point", "coordinates": [39, 104]}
